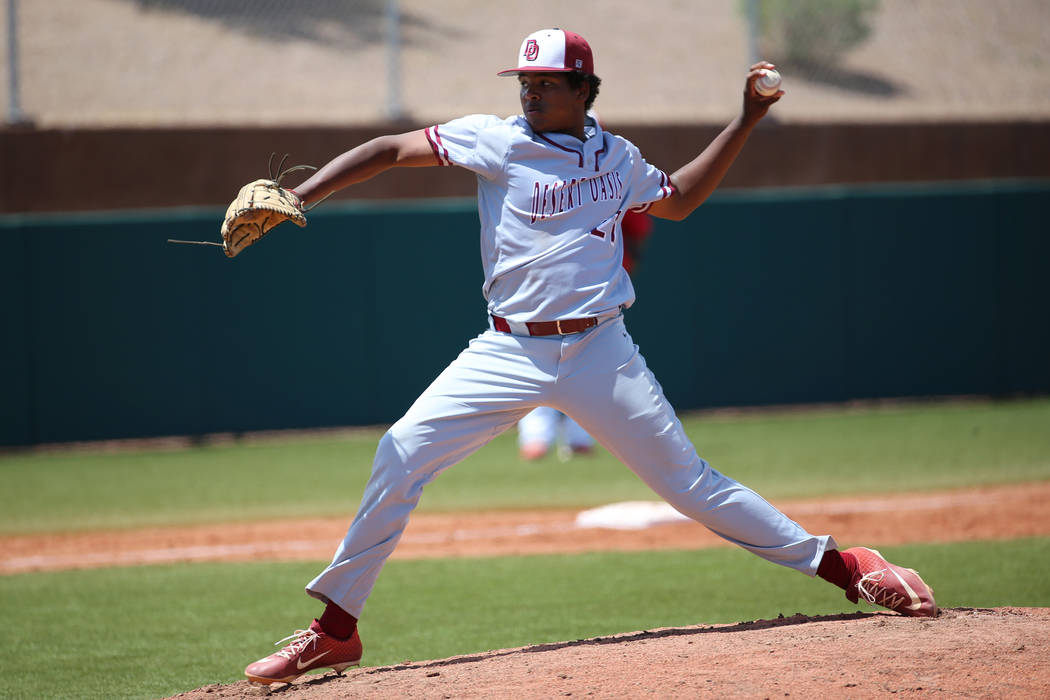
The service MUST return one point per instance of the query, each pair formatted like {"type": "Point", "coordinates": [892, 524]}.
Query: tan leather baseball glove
{"type": "Point", "coordinates": [259, 206]}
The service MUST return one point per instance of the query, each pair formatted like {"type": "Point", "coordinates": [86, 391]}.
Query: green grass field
{"type": "Point", "coordinates": [156, 631]}
{"type": "Point", "coordinates": [781, 454]}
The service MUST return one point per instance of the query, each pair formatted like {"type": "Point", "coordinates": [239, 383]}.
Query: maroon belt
{"type": "Point", "coordinates": [567, 327]}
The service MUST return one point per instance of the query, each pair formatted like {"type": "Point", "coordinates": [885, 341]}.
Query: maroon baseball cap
{"type": "Point", "coordinates": [553, 51]}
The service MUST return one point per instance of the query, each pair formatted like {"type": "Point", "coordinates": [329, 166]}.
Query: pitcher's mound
{"type": "Point", "coordinates": [965, 652]}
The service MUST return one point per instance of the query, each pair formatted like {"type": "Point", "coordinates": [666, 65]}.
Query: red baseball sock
{"type": "Point", "coordinates": [336, 622]}
{"type": "Point", "coordinates": [838, 568]}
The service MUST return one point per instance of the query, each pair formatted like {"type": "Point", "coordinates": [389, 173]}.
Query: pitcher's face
{"type": "Point", "coordinates": [550, 103]}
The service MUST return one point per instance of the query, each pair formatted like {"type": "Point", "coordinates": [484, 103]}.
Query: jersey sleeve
{"type": "Point", "coordinates": [648, 183]}
{"type": "Point", "coordinates": [470, 142]}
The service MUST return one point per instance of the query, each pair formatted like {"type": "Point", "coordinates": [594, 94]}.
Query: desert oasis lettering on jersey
{"type": "Point", "coordinates": [549, 199]}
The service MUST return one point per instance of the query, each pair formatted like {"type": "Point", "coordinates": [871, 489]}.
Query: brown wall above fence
{"type": "Point", "coordinates": [95, 169]}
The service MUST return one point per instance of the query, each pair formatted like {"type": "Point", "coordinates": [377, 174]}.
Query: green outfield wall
{"type": "Point", "coordinates": [761, 297]}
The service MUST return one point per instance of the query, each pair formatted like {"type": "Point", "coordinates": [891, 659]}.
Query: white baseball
{"type": "Point", "coordinates": [768, 83]}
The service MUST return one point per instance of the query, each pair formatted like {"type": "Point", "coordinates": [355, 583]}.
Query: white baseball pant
{"type": "Point", "coordinates": [600, 379]}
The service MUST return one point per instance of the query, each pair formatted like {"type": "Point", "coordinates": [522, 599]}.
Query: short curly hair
{"type": "Point", "coordinates": [576, 79]}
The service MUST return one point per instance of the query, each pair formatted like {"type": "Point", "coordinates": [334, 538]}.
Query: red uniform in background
{"type": "Point", "coordinates": [636, 228]}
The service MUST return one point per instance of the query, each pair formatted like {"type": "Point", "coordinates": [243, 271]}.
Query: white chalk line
{"type": "Point", "coordinates": [654, 514]}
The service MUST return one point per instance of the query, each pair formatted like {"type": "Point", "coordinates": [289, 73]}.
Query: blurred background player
{"type": "Point", "coordinates": [546, 427]}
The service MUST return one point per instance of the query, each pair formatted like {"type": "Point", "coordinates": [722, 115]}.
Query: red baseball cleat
{"type": "Point", "coordinates": [891, 586]}
{"type": "Point", "coordinates": [309, 649]}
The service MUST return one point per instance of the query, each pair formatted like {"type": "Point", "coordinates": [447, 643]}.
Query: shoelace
{"type": "Point", "coordinates": [885, 597]}
{"type": "Point", "coordinates": [301, 639]}
{"type": "Point", "coordinates": [872, 577]}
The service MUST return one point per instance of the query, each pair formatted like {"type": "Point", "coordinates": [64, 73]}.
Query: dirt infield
{"type": "Point", "coordinates": [970, 653]}
{"type": "Point", "coordinates": [963, 653]}
{"type": "Point", "coordinates": [985, 513]}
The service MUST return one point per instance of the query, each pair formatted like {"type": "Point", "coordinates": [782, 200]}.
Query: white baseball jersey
{"type": "Point", "coordinates": [550, 208]}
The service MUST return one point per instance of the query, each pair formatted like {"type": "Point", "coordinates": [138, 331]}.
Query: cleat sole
{"type": "Point", "coordinates": [339, 668]}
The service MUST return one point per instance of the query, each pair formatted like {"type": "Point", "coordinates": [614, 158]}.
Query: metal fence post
{"type": "Point", "coordinates": [752, 30]}
{"type": "Point", "coordinates": [394, 111]}
{"type": "Point", "coordinates": [14, 110]}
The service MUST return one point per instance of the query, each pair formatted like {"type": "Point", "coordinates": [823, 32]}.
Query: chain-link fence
{"type": "Point", "coordinates": [208, 62]}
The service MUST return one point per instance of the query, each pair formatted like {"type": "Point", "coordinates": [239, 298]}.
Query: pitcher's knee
{"type": "Point", "coordinates": [399, 464]}
{"type": "Point", "coordinates": [401, 445]}
{"type": "Point", "coordinates": [389, 450]}
{"type": "Point", "coordinates": [685, 482]}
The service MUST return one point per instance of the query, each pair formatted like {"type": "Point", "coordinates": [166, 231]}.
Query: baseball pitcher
{"type": "Point", "coordinates": [553, 190]}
